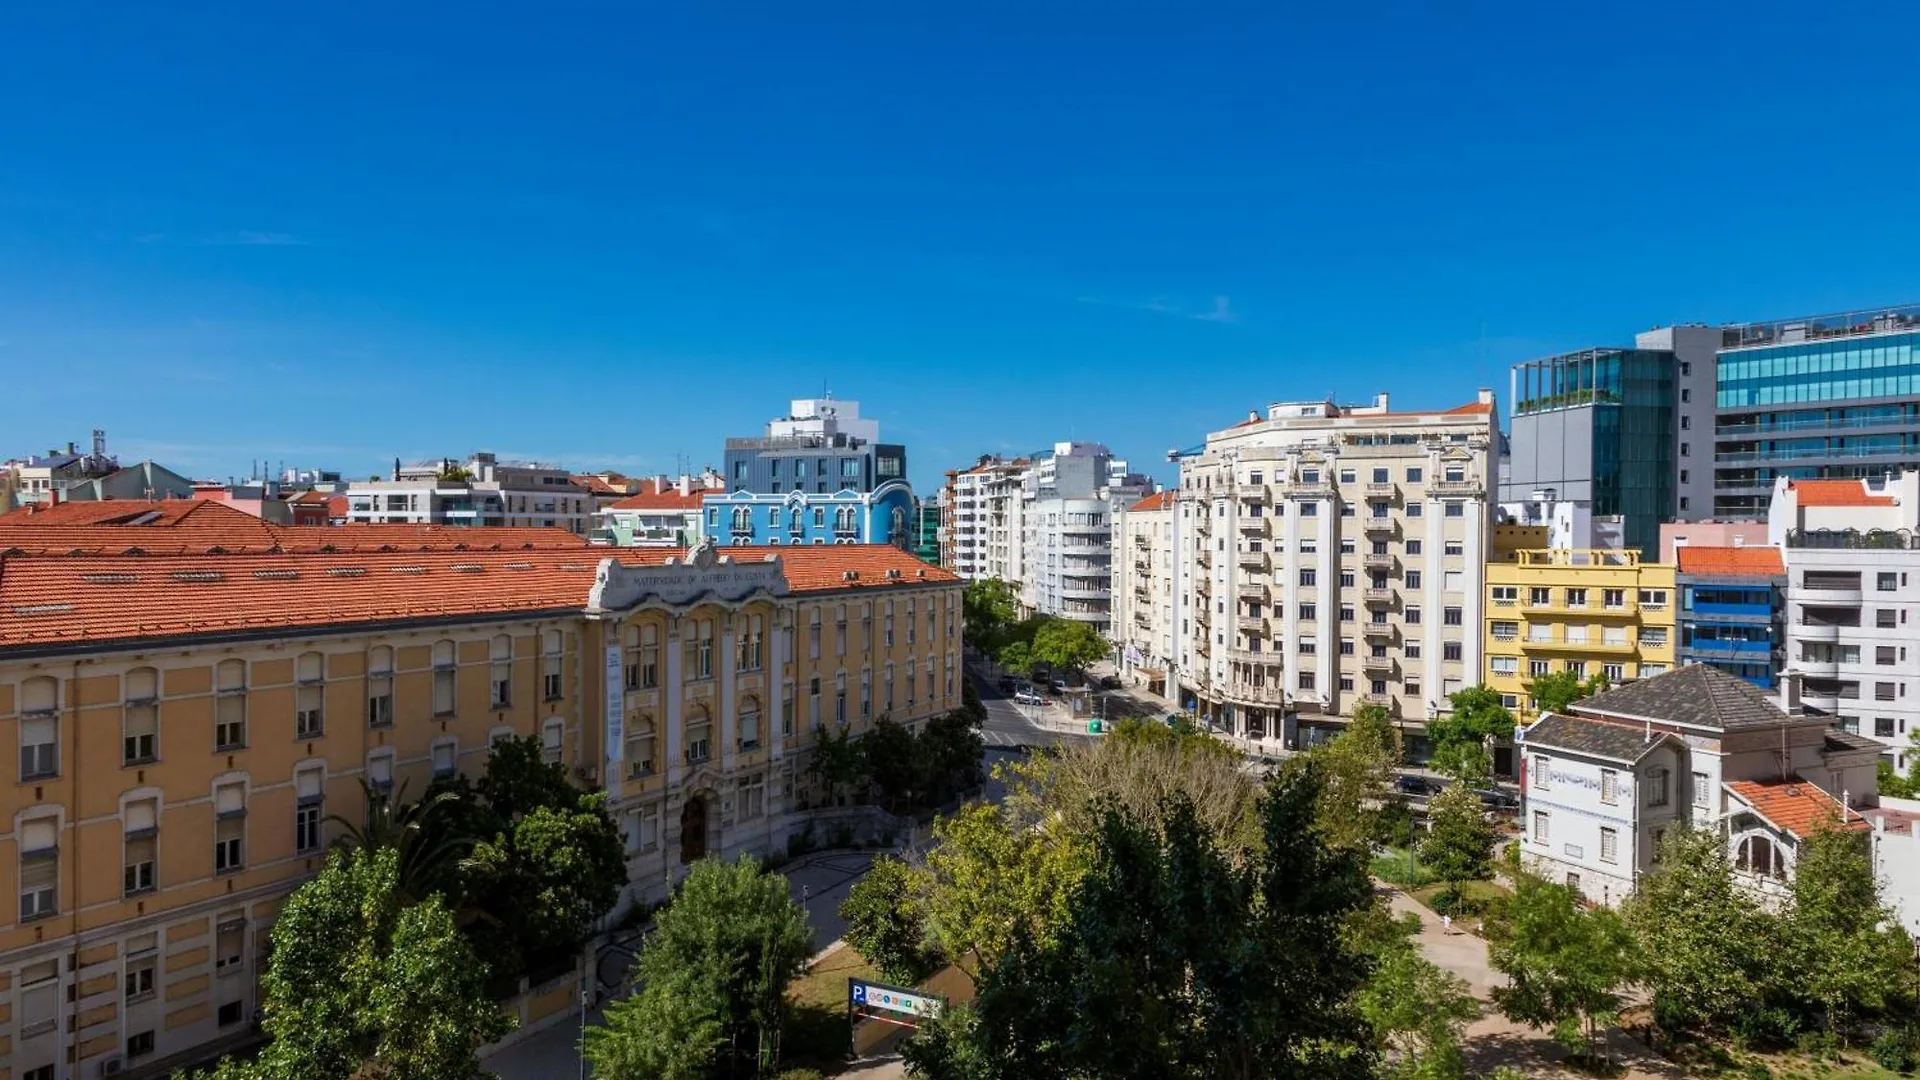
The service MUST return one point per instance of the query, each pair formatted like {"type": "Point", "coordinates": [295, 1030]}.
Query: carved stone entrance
{"type": "Point", "coordinates": [693, 830]}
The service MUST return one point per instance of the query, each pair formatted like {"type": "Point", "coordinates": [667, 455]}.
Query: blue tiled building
{"type": "Point", "coordinates": [820, 475]}
{"type": "Point", "coordinates": [1730, 609]}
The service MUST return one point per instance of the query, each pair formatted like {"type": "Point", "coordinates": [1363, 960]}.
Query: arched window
{"type": "Point", "coordinates": [140, 717]}
{"type": "Point", "coordinates": [749, 722]}
{"type": "Point", "coordinates": [39, 728]}
{"type": "Point", "coordinates": [500, 659]}
{"type": "Point", "coordinates": [445, 672]}
{"type": "Point", "coordinates": [1758, 856]}
{"type": "Point", "coordinates": [552, 664]}
{"type": "Point", "coordinates": [699, 735]}
{"type": "Point", "coordinates": [640, 747]}
{"type": "Point", "coordinates": [310, 674]}
{"type": "Point", "coordinates": [380, 687]}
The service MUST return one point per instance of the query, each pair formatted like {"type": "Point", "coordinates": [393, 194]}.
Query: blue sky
{"type": "Point", "coordinates": [613, 234]}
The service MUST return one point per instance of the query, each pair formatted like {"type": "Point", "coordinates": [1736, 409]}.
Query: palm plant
{"type": "Point", "coordinates": [428, 844]}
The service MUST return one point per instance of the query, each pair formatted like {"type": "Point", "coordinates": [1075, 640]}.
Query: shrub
{"type": "Point", "coordinates": [1893, 1051]}
{"type": "Point", "coordinates": [800, 843]}
{"type": "Point", "coordinates": [1754, 1070]}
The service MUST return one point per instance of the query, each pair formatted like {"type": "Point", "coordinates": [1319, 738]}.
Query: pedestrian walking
{"type": "Point", "coordinates": [1446, 924]}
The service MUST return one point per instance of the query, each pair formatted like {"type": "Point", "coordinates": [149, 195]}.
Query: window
{"type": "Point", "coordinates": [1609, 845]}
{"type": "Point", "coordinates": [1504, 665]}
{"type": "Point", "coordinates": [310, 672]}
{"type": "Point", "coordinates": [749, 723]}
{"type": "Point", "coordinates": [229, 827]}
{"type": "Point", "coordinates": [1541, 777]}
{"type": "Point", "coordinates": [444, 670]}
{"type": "Point", "coordinates": [309, 796]}
{"type": "Point", "coordinates": [1884, 618]}
{"type": "Point", "coordinates": [649, 657]}
{"type": "Point", "coordinates": [140, 717]}
{"type": "Point", "coordinates": [37, 1010]}
{"type": "Point", "coordinates": [1657, 783]}
{"type": "Point", "coordinates": [753, 797]}
{"type": "Point", "coordinates": [1309, 611]}
{"type": "Point", "coordinates": [1413, 616]}
{"type": "Point", "coordinates": [1455, 509]}
{"type": "Point", "coordinates": [1450, 616]}
{"type": "Point", "coordinates": [1883, 727]}
{"type": "Point", "coordinates": [1613, 598]}
{"type": "Point", "coordinates": [866, 695]}
{"type": "Point", "coordinates": [1450, 650]}
{"type": "Point", "coordinates": [752, 641]}
{"type": "Point", "coordinates": [39, 728]}
{"type": "Point", "coordinates": [699, 736]}
{"type": "Point", "coordinates": [1306, 680]}
{"type": "Point", "coordinates": [230, 1013]}
{"type": "Point", "coordinates": [1576, 598]}
{"type": "Point", "coordinates": [1883, 654]}
{"type": "Point", "coordinates": [1413, 650]}
{"type": "Point", "coordinates": [500, 655]}
{"type": "Point", "coordinates": [553, 737]}
{"type": "Point", "coordinates": [1653, 598]}
{"type": "Point", "coordinates": [700, 647]}
{"type": "Point", "coordinates": [380, 687]}
{"type": "Point", "coordinates": [552, 664]}
{"type": "Point", "coordinates": [1346, 581]}
{"type": "Point", "coordinates": [643, 833]}
{"type": "Point", "coordinates": [140, 971]}
{"type": "Point", "coordinates": [1309, 646]}
{"type": "Point", "coordinates": [840, 698]}
{"type": "Point", "coordinates": [1615, 673]}
{"type": "Point", "coordinates": [1539, 597]}
{"type": "Point", "coordinates": [1415, 509]}
{"type": "Point", "coordinates": [1346, 612]}
{"type": "Point", "coordinates": [1886, 582]}
{"type": "Point", "coordinates": [1309, 577]}
{"type": "Point", "coordinates": [1506, 631]}
{"type": "Point", "coordinates": [1653, 635]}
{"type": "Point", "coordinates": [1573, 886]}
{"type": "Point", "coordinates": [1883, 691]}
{"type": "Point", "coordinates": [1538, 668]}
{"type": "Point", "coordinates": [1609, 786]}
{"type": "Point", "coordinates": [1702, 795]}
{"type": "Point", "coordinates": [1414, 579]}
{"type": "Point", "coordinates": [1540, 820]}
{"type": "Point", "coordinates": [230, 706]}
{"type": "Point", "coordinates": [1506, 594]}
{"type": "Point", "coordinates": [142, 820]}
{"type": "Point", "coordinates": [1757, 856]}
{"type": "Point", "coordinates": [786, 711]}
{"type": "Point", "coordinates": [445, 752]}
{"type": "Point", "coordinates": [1346, 646]}
{"type": "Point", "coordinates": [639, 750]}
{"type": "Point", "coordinates": [1309, 509]}
{"type": "Point", "coordinates": [230, 943]}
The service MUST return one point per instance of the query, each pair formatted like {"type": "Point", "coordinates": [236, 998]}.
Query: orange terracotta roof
{"type": "Point", "coordinates": [1753, 561]}
{"type": "Point", "coordinates": [337, 507]}
{"type": "Point", "coordinates": [49, 600]}
{"type": "Point", "coordinates": [311, 498]}
{"type": "Point", "coordinates": [1798, 807]}
{"type": "Point", "coordinates": [669, 499]}
{"type": "Point", "coordinates": [1159, 500]}
{"type": "Point", "coordinates": [200, 526]}
{"type": "Point", "coordinates": [1837, 493]}
{"type": "Point", "coordinates": [160, 512]}
{"type": "Point", "coordinates": [601, 486]}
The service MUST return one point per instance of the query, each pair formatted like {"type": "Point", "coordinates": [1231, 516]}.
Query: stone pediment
{"type": "Point", "coordinates": [702, 574]}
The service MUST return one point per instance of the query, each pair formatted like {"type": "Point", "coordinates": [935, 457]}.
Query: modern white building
{"type": "Point", "coordinates": [1330, 556]}
{"type": "Point", "coordinates": [1145, 620]}
{"type": "Point", "coordinates": [1069, 499]}
{"type": "Point", "coordinates": [1696, 746]}
{"type": "Point", "coordinates": [971, 501]}
{"type": "Point", "coordinates": [1853, 602]}
{"type": "Point", "coordinates": [481, 491]}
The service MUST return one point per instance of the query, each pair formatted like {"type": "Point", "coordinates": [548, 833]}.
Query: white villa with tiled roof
{"type": "Point", "coordinates": [1602, 783]}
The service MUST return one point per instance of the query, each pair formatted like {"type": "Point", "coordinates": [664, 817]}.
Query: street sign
{"type": "Point", "coordinates": [862, 994]}
{"type": "Point", "coordinates": [1093, 726]}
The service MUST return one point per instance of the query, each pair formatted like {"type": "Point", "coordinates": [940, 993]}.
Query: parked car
{"type": "Point", "coordinates": [1495, 799]}
{"type": "Point", "coordinates": [1008, 684]}
{"type": "Point", "coordinates": [1028, 697]}
{"type": "Point", "coordinates": [1109, 682]}
{"type": "Point", "coordinates": [1059, 686]}
{"type": "Point", "coordinates": [1417, 786]}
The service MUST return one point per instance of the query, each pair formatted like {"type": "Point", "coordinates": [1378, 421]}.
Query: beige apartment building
{"type": "Point", "coordinates": [1144, 571]}
{"type": "Point", "coordinates": [1332, 556]}
{"type": "Point", "coordinates": [186, 722]}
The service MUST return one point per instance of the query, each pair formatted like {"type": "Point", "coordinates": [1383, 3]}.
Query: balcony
{"type": "Point", "coordinates": [1257, 695]}
{"type": "Point", "coordinates": [1807, 631]}
{"type": "Point", "coordinates": [1827, 669]}
{"type": "Point", "coordinates": [1141, 541]}
{"type": "Point", "coordinates": [1455, 487]}
{"type": "Point", "coordinates": [1319, 489]}
{"type": "Point", "coordinates": [1255, 591]}
{"type": "Point", "coordinates": [1142, 567]}
{"type": "Point", "coordinates": [1379, 632]}
{"type": "Point", "coordinates": [1142, 592]}
{"type": "Point", "coordinates": [1254, 526]}
{"type": "Point", "coordinates": [1378, 562]}
{"type": "Point", "coordinates": [1251, 624]}
{"type": "Point", "coordinates": [1378, 526]}
{"type": "Point", "coordinates": [1835, 597]}
{"type": "Point", "coordinates": [1377, 596]}
{"type": "Point", "coordinates": [1384, 701]}
{"type": "Point", "coordinates": [1256, 657]}
{"type": "Point", "coordinates": [1583, 645]}
{"type": "Point", "coordinates": [1255, 560]}
{"type": "Point", "coordinates": [1143, 620]}
{"type": "Point", "coordinates": [1203, 585]}
{"type": "Point", "coordinates": [1203, 521]}
{"type": "Point", "coordinates": [1382, 491]}
{"type": "Point", "coordinates": [1377, 665]}
{"type": "Point", "coordinates": [1204, 558]}
{"type": "Point", "coordinates": [1202, 617]}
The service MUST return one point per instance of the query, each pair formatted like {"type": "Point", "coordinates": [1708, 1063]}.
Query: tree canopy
{"type": "Point", "coordinates": [1567, 965]}
{"type": "Point", "coordinates": [1556, 691]}
{"type": "Point", "coordinates": [988, 610]}
{"type": "Point", "coordinates": [1458, 846]}
{"type": "Point", "coordinates": [1069, 645]}
{"type": "Point", "coordinates": [1356, 770]}
{"type": "Point", "coordinates": [1460, 736]}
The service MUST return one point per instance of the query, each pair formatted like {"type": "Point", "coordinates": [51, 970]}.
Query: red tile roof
{"type": "Point", "coordinates": [162, 512]}
{"type": "Point", "coordinates": [1837, 493]}
{"type": "Point", "coordinates": [198, 526]}
{"type": "Point", "coordinates": [311, 498]}
{"type": "Point", "coordinates": [55, 600]}
{"type": "Point", "coordinates": [1795, 806]}
{"type": "Point", "coordinates": [601, 486]}
{"type": "Point", "coordinates": [1751, 561]}
{"type": "Point", "coordinates": [1159, 500]}
{"type": "Point", "coordinates": [669, 499]}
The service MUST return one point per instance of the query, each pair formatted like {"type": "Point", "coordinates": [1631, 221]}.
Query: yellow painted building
{"type": "Point", "coordinates": [185, 723]}
{"type": "Point", "coordinates": [1600, 612]}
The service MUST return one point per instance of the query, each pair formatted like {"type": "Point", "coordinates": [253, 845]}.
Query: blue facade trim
{"type": "Point", "coordinates": [884, 515]}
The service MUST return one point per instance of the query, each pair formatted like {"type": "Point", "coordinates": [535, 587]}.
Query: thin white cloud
{"type": "Point", "coordinates": [1222, 312]}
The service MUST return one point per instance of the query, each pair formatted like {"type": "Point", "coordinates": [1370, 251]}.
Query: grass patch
{"type": "Point", "coordinates": [1397, 866]}
{"type": "Point", "coordinates": [1477, 899]}
{"type": "Point", "coordinates": [826, 982]}
{"type": "Point", "coordinates": [816, 1035]}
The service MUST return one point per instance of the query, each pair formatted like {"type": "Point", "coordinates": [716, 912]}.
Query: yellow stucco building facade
{"type": "Point", "coordinates": [1599, 612]}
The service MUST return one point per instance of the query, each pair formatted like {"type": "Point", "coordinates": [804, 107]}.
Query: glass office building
{"type": "Point", "coordinates": [1597, 426]}
{"type": "Point", "coordinates": [1824, 397]}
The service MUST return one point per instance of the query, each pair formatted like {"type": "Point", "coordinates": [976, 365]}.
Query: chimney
{"type": "Point", "coordinates": [684, 485]}
{"type": "Point", "coordinates": [1790, 693]}
{"type": "Point", "coordinates": [72, 449]}
{"type": "Point", "coordinates": [1485, 397]}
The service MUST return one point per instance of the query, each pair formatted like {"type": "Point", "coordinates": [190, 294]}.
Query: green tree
{"type": "Point", "coordinates": [1705, 945]}
{"type": "Point", "coordinates": [1460, 736]}
{"type": "Point", "coordinates": [1555, 692]}
{"type": "Point", "coordinates": [1017, 657]}
{"type": "Point", "coordinates": [519, 779]}
{"type": "Point", "coordinates": [838, 761]}
{"type": "Point", "coordinates": [1357, 768]}
{"type": "Point", "coordinates": [948, 751]}
{"type": "Point", "coordinates": [672, 1030]}
{"type": "Point", "coordinates": [544, 880]}
{"type": "Point", "coordinates": [1567, 966]}
{"type": "Point", "coordinates": [425, 836]}
{"type": "Point", "coordinates": [737, 930]}
{"type": "Point", "coordinates": [1418, 1013]}
{"type": "Point", "coordinates": [893, 760]}
{"type": "Point", "coordinates": [1459, 843]}
{"type": "Point", "coordinates": [988, 610]}
{"type": "Point", "coordinates": [1069, 645]}
{"type": "Point", "coordinates": [1180, 961]}
{"type": "Point", "coordinates": [886, 922]}
{"type": "Point", "coordinates": [361, 985]}
{"type": "Point", "coordinates": [1852, 956]}
{"type": "Point", "coordinates": [992, 881]}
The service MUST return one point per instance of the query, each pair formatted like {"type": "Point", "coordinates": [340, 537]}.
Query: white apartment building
{"type": "Point", "coordinates": [1853, 601]}
{"type": "Point", "coordinates": [1069, 499]}
{"type": "Point", "coordinates": [965, 503]}
{"type": "Point", "coordinates": [481, 491]}
{"type": "Point", "coordinates": [1333, 555]}
{"type": "Point", "coordinates": [1006, 524]}
{"type": "Point", "coordinates": [1696, 746]}
{"type": "Point", "coordinates": [1144, 599]}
